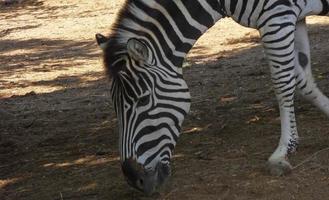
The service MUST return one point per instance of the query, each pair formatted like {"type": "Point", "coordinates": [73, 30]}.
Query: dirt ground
{"type": "Point", "coordinates": [58, 131]}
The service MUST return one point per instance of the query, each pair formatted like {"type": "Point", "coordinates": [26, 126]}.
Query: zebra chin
{"type": "Point", "coordinates": [143, 180]}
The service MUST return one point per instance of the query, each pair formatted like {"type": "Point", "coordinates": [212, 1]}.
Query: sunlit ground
{"type": "Point", "coordinates": [39, 44]}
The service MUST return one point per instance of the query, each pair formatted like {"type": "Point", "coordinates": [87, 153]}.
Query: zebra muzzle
{"type": "Point", "coordinates": [148, 181]}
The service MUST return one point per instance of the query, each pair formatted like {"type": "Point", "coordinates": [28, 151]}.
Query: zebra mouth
{"type": "Point", "coordinates": [147, 182]}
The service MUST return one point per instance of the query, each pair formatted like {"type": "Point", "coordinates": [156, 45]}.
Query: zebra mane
{"type": "Point", "coordinates": [116, 46]}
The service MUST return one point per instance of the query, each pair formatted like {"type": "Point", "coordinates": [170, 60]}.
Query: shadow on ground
{"type": "Point", "coordinates": [42, 10]}
{"type": "Point", "coordinates": [44, 55]}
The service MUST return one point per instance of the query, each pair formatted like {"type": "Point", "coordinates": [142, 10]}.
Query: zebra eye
{"type": "Point", "coordinates": [143, 101]}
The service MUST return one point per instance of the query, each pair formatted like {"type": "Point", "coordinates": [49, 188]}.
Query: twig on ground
{"type": "Point", "coordinates": [310, 158]}
{"type": "Point", "coordinates": [169, 194]}
{"type": "Point", "coordinates": [77, 196]}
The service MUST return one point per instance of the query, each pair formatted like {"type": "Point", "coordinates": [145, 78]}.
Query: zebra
{"type": "Point", "coordinates": [144, 54]}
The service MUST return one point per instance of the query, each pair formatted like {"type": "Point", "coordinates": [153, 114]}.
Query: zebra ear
{"type": "Point", "coordinates": [101, 41]}
{"type": "Point", "coordinates": [137, 50]}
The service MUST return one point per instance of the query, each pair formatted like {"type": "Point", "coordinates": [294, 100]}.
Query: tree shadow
{"type": "Point", "coordinates": [41, 10]}
{"type": "Point", "coordinates": [11, 30]}
{"type": "Point", "coordinates": [45, 54]}
{"type": "Point", "coordinates": [14, 5]}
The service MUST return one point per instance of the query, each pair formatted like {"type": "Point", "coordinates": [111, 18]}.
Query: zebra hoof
{"type": "Point", "coordinates": [279, 167]}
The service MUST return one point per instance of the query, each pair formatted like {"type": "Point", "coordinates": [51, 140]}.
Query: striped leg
{"type": "Point", "coordinates": [278, 41]}
{"type": "Point", "coordinates": [305, 82]}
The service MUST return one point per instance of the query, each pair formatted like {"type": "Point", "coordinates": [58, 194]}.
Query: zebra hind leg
{"type": "Point", "coordinates": [278, 42]}
{"type": "Point", "coordinates": [305, 82]}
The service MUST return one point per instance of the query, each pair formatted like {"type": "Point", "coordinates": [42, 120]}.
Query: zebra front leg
{"type": "Point", "coordinates": [305, 82]}
{"type": "Point", "coordinates": [278, 41]}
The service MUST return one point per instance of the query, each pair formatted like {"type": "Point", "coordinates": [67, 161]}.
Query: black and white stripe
{"type": "Point", "coordinates": [149, 93]}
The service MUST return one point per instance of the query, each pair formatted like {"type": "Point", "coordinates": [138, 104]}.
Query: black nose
{"type": "Point", "coordinates": [145, 181]}
{"type": "Point", "coordinates": [133, 174]}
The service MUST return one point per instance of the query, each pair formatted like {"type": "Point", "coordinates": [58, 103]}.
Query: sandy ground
{"type": "Point", "coordinates": [58, 131]}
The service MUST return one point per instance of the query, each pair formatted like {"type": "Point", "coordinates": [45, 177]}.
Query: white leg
{"type": "Point", "coordinates": [278, 41]}
{"type": "Point", "coordinates": [278, 163]}
{"type": "Point", "coordinates": [305, 82]}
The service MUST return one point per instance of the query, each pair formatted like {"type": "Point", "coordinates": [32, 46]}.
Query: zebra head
{"type": "Point", "coordinates": [151, 103]}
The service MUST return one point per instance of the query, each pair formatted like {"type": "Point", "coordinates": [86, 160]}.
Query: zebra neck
{"type": "Point", "coordinates": [170, 28]}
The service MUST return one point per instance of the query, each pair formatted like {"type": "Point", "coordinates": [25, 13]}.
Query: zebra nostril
{"type": "Point", "coordinates": [130, 170]}
{"type": "Point", "coordinates": [140, 183]}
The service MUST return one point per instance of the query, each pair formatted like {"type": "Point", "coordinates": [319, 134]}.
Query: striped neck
{"type": "Point", "coordinates": [169, 28]}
